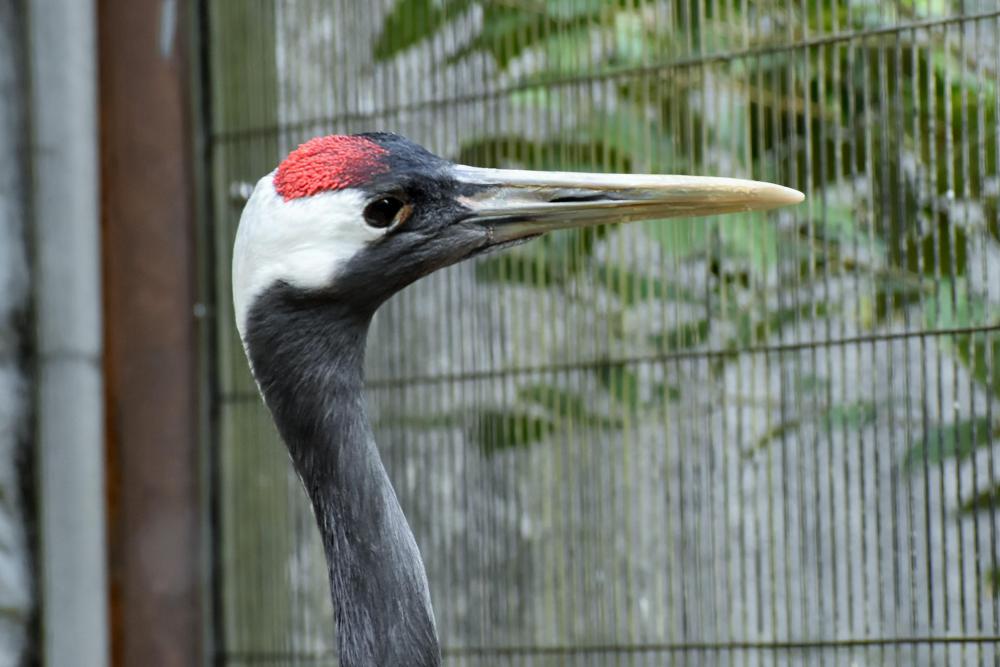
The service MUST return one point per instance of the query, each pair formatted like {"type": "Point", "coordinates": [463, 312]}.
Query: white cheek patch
{"type": "Point", "coordinates": [302, 241]}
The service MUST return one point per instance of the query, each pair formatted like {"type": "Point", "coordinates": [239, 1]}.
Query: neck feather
{"type": "Point", "coordinates": [307, 354]}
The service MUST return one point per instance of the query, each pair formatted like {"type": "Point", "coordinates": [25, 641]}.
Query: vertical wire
{"type": "Point", "coordinates": [818, 184]}
{"type": "Point", "coordinates": [619, 399]}
{"type": "Point", "coordinates": [936, 192]}
{"type": "Point", "coordinates": [645, 514]}
{"type": "Point", "coordinates": [850, 570]}
{"type": "Point", "coordinates": [775, 508]}
{"type": "Point", "coordinates": [978, 557]}
{"type": "Point", "coordinates": [915, 260]}
{"type": "Point", "coordinates": [508, 360]}
{"type": "Point", "coordinates": [689, 590]}
{"type": "Point", "coordinates": [951, 259]}
{"type": "Point", "coordinates": [727, 444]}
{"type": "Point", "coordinates": [804, 286]}
{"type": "Point", "coordinates": [965, 195]}
{"type": "Point", "coordinates": [992, 372]}
{"type": "Point", "coordinates": [600, 472]}
{"type": "Point", "coordinates": [784, 85]}
{"type": "Point", "coordinates": [568, 449]}
{"type": "Point", "coordinates": [761, 365]}
{"type": "Point", "coordinates": [882, 210]}
{"type": "Point", "coordinates": [707, 461]}
{"type": "Point", "coordinates": [922, 260]}
{"type": "Point", "coordinates": [569, 565]}
{"type": "Point", "coordinates": [513, 484]}
{"type": "Point", "coordinates": [838, 444]}
{"type": "Point", "coordinates": [813, 626]}
{"type": "Point", "coordinates": [900, 506]}
{"type": "Point", "coordinates": [744, 488]}
{"type": "Point", "coordinates": [867, 476]}
{"type": "Point", "coordinates": [661, 495]}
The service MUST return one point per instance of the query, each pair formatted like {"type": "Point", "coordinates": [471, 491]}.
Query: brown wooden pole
{"type": "Point", "coordinates": [155, 503]}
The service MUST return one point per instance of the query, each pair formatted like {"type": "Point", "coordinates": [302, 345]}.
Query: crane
{"type": "Point", "coordinates": [342, 224]}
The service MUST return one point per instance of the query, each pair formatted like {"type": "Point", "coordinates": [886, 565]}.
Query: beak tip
{"type": "Point", "coordinates": [779, 195]}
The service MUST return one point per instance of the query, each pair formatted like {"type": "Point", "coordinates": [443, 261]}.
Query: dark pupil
{"type": "Point", "coordinates": [382, 212]}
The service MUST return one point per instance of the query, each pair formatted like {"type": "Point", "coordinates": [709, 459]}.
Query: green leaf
{"type": "Point", "coordinates": [844, 416]}
{"type": "Point", "coordinates": [546, 262]}
{"type": "Point", "coordinates": [563, 153]}
{"type": "Point", "coordinates": [517, 269]}
{"type": "Point", "coordinates": [981, 355]}
{"type": "Point", "coordinates": [663, 391]}
{"type": "Point", "coordinates": [896, 291]}
{"type": "Point", "coordinates": [925, 8]}
{"type": "Point", "coordinates": [679, 237]}
{"type": "Point", "coordinates": [808, 383]}
{"type": "Point", "coordinates": [621, 383]}
{"type": "Point", "coordinates": [567, 9]}
{"type": "Point", "coordinates": [683, 336]}
{"type": "Point", "coordinates": [987, 500]}
{"type": "Point", "coordinates": [956, 440]}
{"type": "Point", "coordinates": [755, 325]}
{"type": "Point", "coordinates": [625, 133]}
{"type": "Point", "coordinates": [566, 405]}
{"type": "Point", "coordinates": [952, 307]}
{"type": "Point", "coordinates": [750, 237]}
{"type": "Point", "coordinates": [992, 578]}
{"type": "Point", "coordinates": [772, 435]}
{"type": "Point", "coordinates": [498, 430]}
{"type": "Point", "coordinates": [508, 31]}
{"type": "Point", "coordinates": [980, 352]}
{"type": "Point", "coordinates": [632, 287]}
{"type": "Point", "coordinates": [851, 415]}
{"type": "Point", "coordinates": [412, 21]}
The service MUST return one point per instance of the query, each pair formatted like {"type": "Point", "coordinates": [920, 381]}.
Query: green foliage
{"type": "Point", "coordinates": [566, 406]}
{"type": "Point", "coordinates": [886, 134]}
{"type": "Point", "coordinates": [982, 501]}
{"type": "Point", "coordinates": [497, 430]}
{"type": "Point", "coordinates": [952, 440]}
{"type": "Point", "coordinates": [993, 582]}
{"type": "Point", "coordinates": [412, 21]}
{"type": "Point", "coordinates": [545, 407]}
{"type": "Point", "coordinates": [849, 416]}
{"type": "Point", "coordinates": [621, 383]}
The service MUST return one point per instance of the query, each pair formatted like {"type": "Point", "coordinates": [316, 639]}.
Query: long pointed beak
{"type": "Point", "coordinates": [515, 204]}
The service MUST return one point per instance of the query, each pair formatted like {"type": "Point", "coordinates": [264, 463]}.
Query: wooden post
{"type": "Point", "coordinates": [155, 498]}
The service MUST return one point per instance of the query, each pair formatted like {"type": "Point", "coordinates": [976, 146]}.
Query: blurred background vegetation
{"type": "Point", "coordinates": [743, 440]}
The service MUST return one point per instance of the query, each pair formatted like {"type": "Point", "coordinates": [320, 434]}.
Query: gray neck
{"type": "Point", "coordinates": [307, 354]}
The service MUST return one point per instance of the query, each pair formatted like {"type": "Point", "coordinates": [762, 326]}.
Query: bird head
{"type": "Point", "coordinates": [356, 218]}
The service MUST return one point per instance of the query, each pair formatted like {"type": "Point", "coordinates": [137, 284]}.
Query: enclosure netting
{"type": "Point", "coordinates": [757, 439]}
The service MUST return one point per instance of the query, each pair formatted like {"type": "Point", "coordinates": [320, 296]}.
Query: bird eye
{"type": "Point", "coordinates": [385, 212]}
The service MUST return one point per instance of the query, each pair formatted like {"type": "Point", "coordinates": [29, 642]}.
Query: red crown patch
{"type": "Point", "coordinates": [329, 163]}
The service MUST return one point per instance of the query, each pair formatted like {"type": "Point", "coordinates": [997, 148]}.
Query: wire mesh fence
{"type": "Point", "coordinates": [747, 440]}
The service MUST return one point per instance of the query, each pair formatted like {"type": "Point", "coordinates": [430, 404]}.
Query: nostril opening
{"type": "Point", "coordinates": [580, 198]}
